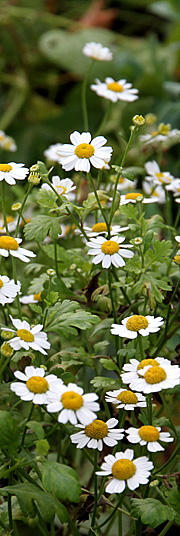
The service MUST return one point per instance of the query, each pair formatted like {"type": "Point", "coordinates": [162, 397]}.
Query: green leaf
{"type": "Point", "coordinates": [109, 364]}
{"type": "Point", "coordinates": [29, 495]}
{"type": "Point", "coordinates": [65, 317]}
{"type": "Point", "coordinates": [161, 250]}
{"type": "Point", "coordinates": [40, 226]}
{"type": "Point", "coordinates": [151, 511]}
{"type": "Point", "coordinates": [99, 382]}
{"type": "Point", "coordinates": [37, 284]}
{"type": "Point", "coordinates": [173, 497]}
{"type": "Point", "coordinates": [61, 480]}
{"type": "Point", "coordinates": [37, 428]}
{"type": "Point", "coordinates": [130, 211]}
{"type": "Point", "coordinates": [22, 353]}
{"type": "Point", "coordinates": [47, 198]}
{"type": "Point", "coordinates": [9, 430]}
{"type": "Point", "coordinates": [42, 447]}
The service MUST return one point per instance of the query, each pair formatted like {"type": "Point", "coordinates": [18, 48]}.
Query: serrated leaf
{"type": "Point", "coordinates": [36, 308]}
{"type": "Point", "coordinates": [28, 494]}
{"type": "Point", "coordinates": [151, 511]}
{"type": "Point", "coordinates": [61, 480]}
{"type": "Point", "coordinates": [99, 382]}
{"type": "Point", "coordinates": [130, 211]}
{"type": "Point", "coordinates": [37, 284]}
{"type": "Point", "coordinates": [161, 250]}
{"type": "Point", "coordinates": [109, 364]}
{"type": "Point", "coordinates": [65, 317]}
{"type": "Point", "coordinates": [37, 428]}
{"type": "Point", "coordinates": [40, 226]}
{"type": "Point", "coordinates": [47, 198]}
{"type": "Point", "coordinates": [22, 353]}
{"type": "Point", "coordinates": [173, 497]}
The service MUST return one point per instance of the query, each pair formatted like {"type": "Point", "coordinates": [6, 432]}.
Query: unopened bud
{"type": "Point", "coordinates": [16, 207]}
{"type": "Point", "coordinates": [137, 241]}
{"type": "Point", "coordinates": [139, 120]}
{"type": "Point", "coordinates": [7, 335]}
{"type": "Point", "coordinates": [154, 483]}
{"type": "Point", "coordinates": [34, 178]}
{"type": "Point", "coordinates": [150, 119]}
{"type": "Point", "coordinates": [35, 167]}
{"type": "Point", "coordinates": [51, 272]}
{"type": "Point", "coordinates": [6, 349]}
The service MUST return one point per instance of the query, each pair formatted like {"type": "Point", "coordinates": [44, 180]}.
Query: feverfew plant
{"type": "Point", "coordinates": [89, 317]}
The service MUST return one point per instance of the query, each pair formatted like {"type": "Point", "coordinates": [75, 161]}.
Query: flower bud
{"type": "Point", "coordinates": [34, 178]}
{"type": "Point", "coordinates": [16, 207]}
{"type": "Point", "coordinates": [139, 120]}
{"type": "Point", "coordinates": [7, 335]}
{"type": "Point", "coordinates": [6, 349]}
{"type": "Point", "coordinates": [150, 119]}
{"type": "Point", "coordinates": [51, 272]}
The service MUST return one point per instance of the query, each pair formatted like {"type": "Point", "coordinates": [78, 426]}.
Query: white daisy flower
{"type": "Point", "coordinates": [11, 223]}
{"type": "Point", "coordinates": [83, 152]}
{"type": "Point", "coordinates": [73, 405]}
{"type": "Point", "coordinates": [174, 187]}
{"type": "Point", "coordinates": [150, 436]}
{"type": "Point", "coordinates": [155, 175]}
{"type": "Point", "coordinates": [125, 471]}
{"type": "Point", "coordinates": [125, 399]}
{"type": "Point", "coordinates": [62, 187]}
{"type": "Point", "coordinates": [10, 246]}
{"type": "Point", "coordinates": [94, 434]}
{"type": "Point", "coordinates": [32, 298]}
{"type": "Point", "coordinates": [10, 172]}
{"type": "Point", "coordinates": [124, 184]}
{"type": "Point", "coordinates": [8, 289]}
{"type": "Point", "coordinates": [6, 142]}
{"type": "Point", "coordinates": [51, 153]}
{"type": "Point", "coordinates": [97, 51]}
{"type": "Point", "coordinates": [101, 228]}
{"type": "Point", "coordinates": [114, 91]}
{"type": "Point", "coordinates": [35, 387]}
{"type": "Point", "coordinates": [150, 375]}
{"type": "Point", "coordinates": [163, 134]}
{"type": "Point", "coordinates": [177, 238]}
{"type": "Point", "coordinates": [28, 337]}
{"type": "Point", "coordinates": [109, 251]}
{"type": "Point", "coordinates": [134, 324]}
{"type": "Point", "coordinates": [134, 197]}
{"type": "Point", "coordinates": [157, 193]}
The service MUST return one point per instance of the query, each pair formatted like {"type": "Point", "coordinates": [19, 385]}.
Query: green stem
{"type": "Point", "coordinates": [160, 469]}
{"type": "Point", "coordinates": [84, 101]}
{"type": "Point", "coordinates": [104, 120]}
{"type": "Point", "coordinates": [95, 488]}
{"type": "Point", "coordinates": [141, 346]}
{"type": "Point", "coordinates": [25, 427]}
{"type": "Point", "coordinates": [112, 513]}
{"type": "Point", "coordinates": [3, 205]}
{"type": "Point", "coordinates": [177, 217]}
{"type": "Point", "coordinates": [98, 202]}
{"type": "Point", "coordinates": [169, 415]}
{"type": "Point", "coordinates": [118, 175]}
{"type": "Point", "coordinates": [22, 207]}
{"type": "Point", "coordinates": [166, 528]}
{"type": "Point", "coordinates": [15, 280]}
{"type": "Point", "coordinates": [55, 258]}
{"type": "Point", "coordinates": [149, 404]}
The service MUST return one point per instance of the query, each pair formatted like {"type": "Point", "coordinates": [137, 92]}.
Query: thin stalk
{"type": "Point", "coordinates": [166, 528]}
{"type": "Point", "coordinates": [141, 347]}
{"type": "Point", "coordinates": [22, 207]}
{"type": "Point", "coordinates": [98, 202]}
{"type": "Point", "coordinates": [169, 415]}
{"type": "Point", "coordinates": [104, 120]}
{"type": "Point", "coordinates": [149, 404]}
{"type": "Point", "coordinates": [3, 205]}
{"type": "Point", "coordinates": [95, 488]}
{"type": "Point", "coordinates": [118, 175]}
{"type": "Point", "coordinates": [25, 427]}
{"type": "Point", "coordinates": [55, 258]}
{"type": "Point", "coordinates": [112, 513]}
{"type": "Point", "coordinates": [84, 100]}
{"type": "Point", "coordinates": [177, 217]}
{"type": "Point", "coordinates": [15, 280]}
{"type": "Point", "coordinates": [160, 469]}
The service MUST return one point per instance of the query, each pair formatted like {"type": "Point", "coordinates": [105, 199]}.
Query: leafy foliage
{"type": "Point", "coordinates": [65, 317]}
{"type": "Point", "coordinates": [61, 480]}
{"type": "Point", "coordinates": [40, 226]}
{"type": "Point", "coordinates": [151, 511]}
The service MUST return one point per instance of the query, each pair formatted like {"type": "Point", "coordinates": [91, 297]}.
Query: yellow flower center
{"type": "Point", "coordinates": [100, 227]}
{"type": "Point", "coordinates": [5, 167]}
{"type": "Point", "coordinates": [110, 247]}
{"type": "Point", "coordinates": [1, 283]}
{"type": "Point", "coordinates": [164, 129]}
{"type": "Point", "coordinates": [123, 469]}
{"type": "Point", "coordinates": [161, 177]}
{"type": "Point", "coordinates": [127, 397]}
{"type": "Point", "coordinates": [37, 296]}
{"type": "Point", "coordinates": [114, 86]}
{"type": "Point", "coordinates": [84, 150]}
{"type": "Point", "coordinates": [146, 362]}
{"type": "Point", "coordinates": [133, 195]}
{"type": "Point", "coordinates": [121, 180]}
{"type": "Point", "coordinates": [62, 188]}
{"type": "Point", "coordinates": [97, 429]}
{"type": "Point", "coordinates": [7, 242]}
{"type": "Point", "coordinates": [137, 322]}
{"type": "Point", "coordinates": [72, 400]}
{"type": "Point", "coordinates": [154, 133]}
{"type": "Point", "coordinates": [36, 384]}
{"type": "Point", "coordinates": [149, 433]}
{"type": "Point", "coordinates": [9, 219]}
{"type": "Point", "coordinates": [155, 375]}
{"type": "Point", "coordinates": [25, 335]}
{"type": "Point", "coordinates": [176, 259]}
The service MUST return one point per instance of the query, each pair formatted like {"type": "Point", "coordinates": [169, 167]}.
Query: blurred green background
{"type": "Point", "coordinates": [42, 66]}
